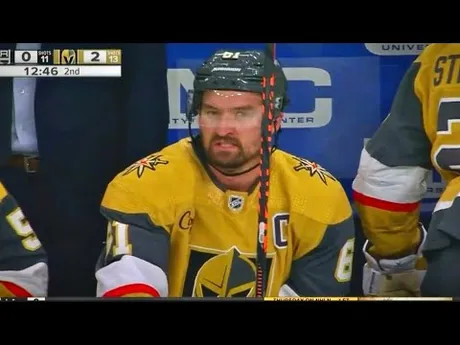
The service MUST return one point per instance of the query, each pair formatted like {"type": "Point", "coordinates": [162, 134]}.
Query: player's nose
{"type": "Point", "coordinates": [225, 125]}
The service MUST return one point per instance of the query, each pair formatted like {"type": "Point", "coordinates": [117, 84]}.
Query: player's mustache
{"type": "Point", "coordinates": [226, 140]}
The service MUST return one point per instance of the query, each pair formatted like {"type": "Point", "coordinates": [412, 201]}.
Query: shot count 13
{"type": "Point", "coordinates": [100, 56]}
{"type": "Point", "coordinates": [61, 63]}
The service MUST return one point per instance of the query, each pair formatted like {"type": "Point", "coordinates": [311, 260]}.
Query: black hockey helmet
{"type": "Point", "coordinates": [236, 70]}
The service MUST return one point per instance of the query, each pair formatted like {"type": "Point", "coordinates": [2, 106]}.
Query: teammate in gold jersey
{"type": "Point", "coordinates": [421, 132]}
{"type": "Point", "coordinates": [183, 221]}
{"type": "Point", "coordinates": [23, 261]}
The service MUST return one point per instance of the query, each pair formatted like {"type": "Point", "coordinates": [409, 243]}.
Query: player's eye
{"type": "Point", "coordinates": [245, 114]}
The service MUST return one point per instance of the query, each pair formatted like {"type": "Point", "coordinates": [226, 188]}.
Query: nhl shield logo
{"type": "Point", "coordinates": [235, 203]}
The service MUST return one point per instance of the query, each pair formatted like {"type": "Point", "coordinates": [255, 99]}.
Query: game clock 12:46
{"type": "Point", "coordinates": [40, 71]}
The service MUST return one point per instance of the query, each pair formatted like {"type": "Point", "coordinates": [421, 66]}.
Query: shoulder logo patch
{"type": "Point", "coordinates": [314, 169]}
{"type": "Point", "coordinates": [150, 163]}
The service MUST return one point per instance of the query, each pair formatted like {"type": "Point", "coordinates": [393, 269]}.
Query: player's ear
{"type": "Point", "coordinates": [278, 121]}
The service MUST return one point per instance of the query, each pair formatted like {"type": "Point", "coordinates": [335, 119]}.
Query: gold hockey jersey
{"type": "Point", "coordinates": [175, 231]}
{"type": "Point", "coordinates": [422, 131]}
{"type": "Point", "coordinates": [23, 261]}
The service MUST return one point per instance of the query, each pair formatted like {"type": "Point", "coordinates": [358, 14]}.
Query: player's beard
{"type": "Point", "coordinates": [233, 161]}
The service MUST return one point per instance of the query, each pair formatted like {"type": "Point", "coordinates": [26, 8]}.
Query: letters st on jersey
{"type": "Point", "coordinates": [446, 85]}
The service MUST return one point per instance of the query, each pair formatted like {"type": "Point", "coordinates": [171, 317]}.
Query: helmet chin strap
{"type": "Point", "coordinates": [235, 174]}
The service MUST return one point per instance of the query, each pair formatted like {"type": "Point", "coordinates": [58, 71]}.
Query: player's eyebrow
{"type": "Point", "coordinates": [241, 108]}
{"type": "Point", "coordinates": [244, 108]}
{"type": "Point", "coordinates": [208, 106]}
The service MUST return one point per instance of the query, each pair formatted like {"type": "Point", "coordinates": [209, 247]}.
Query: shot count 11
{"type": "Point", "coordinates": [61, 63]}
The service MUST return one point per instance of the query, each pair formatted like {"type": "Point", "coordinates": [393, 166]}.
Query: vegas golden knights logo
{"type": "Point", "coordinates": [224, 274]}
{"type": "Point", "coordinates": [68, 57]}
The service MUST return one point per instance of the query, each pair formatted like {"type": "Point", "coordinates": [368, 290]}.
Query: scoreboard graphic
{"type": "Point", "coordinates": [61, 63]}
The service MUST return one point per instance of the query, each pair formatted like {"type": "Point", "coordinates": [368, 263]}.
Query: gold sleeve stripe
{"type": "Point", "coordinates": [133, 290]}
{"type": "Point", "coordinates": [392, 234]}
{"type": "Point", "coordinates": [9, 289]}
{"type": "Point", "coordinates": [383, 204]}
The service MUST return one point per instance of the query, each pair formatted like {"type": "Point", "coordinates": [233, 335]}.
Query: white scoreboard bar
{"type": "Point", "coordinates": [40, 71]}
{"type": "Point", "coordinates": [26, 56]}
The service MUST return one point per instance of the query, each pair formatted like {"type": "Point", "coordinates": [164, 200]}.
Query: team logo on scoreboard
{"type": "Point", "coordinates": [68, 57]}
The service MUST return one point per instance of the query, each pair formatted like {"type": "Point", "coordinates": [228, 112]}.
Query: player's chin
{"type": "Point", "coordinates": [226, 162]}
{"type": "Point", "coordinates": [224, 156]}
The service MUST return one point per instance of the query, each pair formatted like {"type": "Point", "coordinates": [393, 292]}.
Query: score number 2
{"type": "Point", "coordinates": [447, 156]}
{"type": "Point", "coordinates": [102, 57]}
{"type": "Point", "coordinates": [95, 57]}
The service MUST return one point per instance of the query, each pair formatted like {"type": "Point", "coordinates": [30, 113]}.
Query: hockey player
{"type": "Point", "coordinates": [23, 261]}
{"type": "Point", "coordinates": [421, 132]}
{"type": "Point", "coordinates": [183, 221]}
